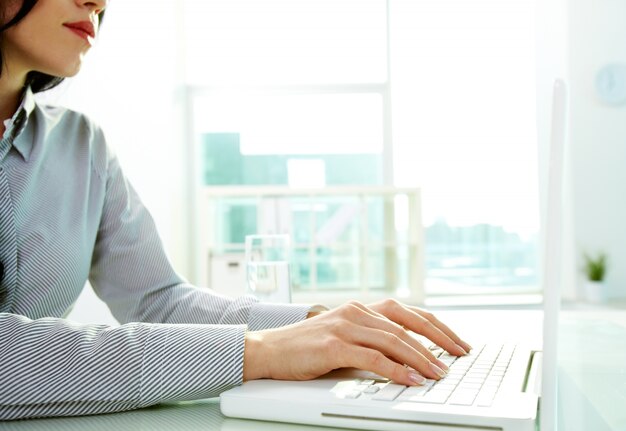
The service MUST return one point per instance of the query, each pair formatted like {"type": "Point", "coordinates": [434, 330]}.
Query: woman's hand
{"type": "Point", "coordinates": [422, 322]}
{"type": "Point", "coordinates": [371, 338]}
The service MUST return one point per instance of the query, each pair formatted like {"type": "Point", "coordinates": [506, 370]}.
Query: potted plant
{"type": "Point", "coordinates": [595, 271]}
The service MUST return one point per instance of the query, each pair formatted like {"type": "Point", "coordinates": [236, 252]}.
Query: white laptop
{"type": "Point", "coordinates": [495, 387]}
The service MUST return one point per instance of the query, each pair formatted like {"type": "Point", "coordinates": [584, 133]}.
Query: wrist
{"type": "Point", "coordinates": [254, 365]}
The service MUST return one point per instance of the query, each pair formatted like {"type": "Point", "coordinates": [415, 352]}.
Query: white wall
{"type": "Point", "coordinates": [597, 36]}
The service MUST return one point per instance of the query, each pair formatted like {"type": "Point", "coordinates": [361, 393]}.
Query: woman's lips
{"type": "Point", "coordinates": [83, 29]}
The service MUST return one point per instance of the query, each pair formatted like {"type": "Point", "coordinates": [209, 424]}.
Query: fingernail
{"type": "Point", "coordinates": [467, 347]}
{"type": "Point", "coordinates": [462, 350]}
{"type": "Point", "coordinates": [441, 365]}
{"type": "Point", "coordinates": [416, 378]}
{"type": "Point", "coordinates": [435, 369]}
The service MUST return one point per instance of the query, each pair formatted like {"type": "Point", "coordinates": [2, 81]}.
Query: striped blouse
{"type": "Point", "coordinates": [68, 215]}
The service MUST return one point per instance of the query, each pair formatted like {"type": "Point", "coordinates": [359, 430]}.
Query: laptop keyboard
{"type": "Point", "coordinates": [472, 380]}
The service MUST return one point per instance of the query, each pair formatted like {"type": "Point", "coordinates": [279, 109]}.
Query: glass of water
{"type": "Point", "coordinates": [267, 267]}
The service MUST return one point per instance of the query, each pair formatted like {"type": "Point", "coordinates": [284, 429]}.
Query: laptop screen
{"type": "Point", "coordinates": [552, 258]}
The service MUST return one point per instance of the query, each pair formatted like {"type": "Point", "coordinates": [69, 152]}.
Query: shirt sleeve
{"type": "Point", "coordinates": [132, 274]}
{"type": "Point", "coordinates": [52, 367]}
{"type": "Point", "coordinates": [176, 341]}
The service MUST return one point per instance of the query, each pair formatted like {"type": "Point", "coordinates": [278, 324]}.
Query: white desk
{"type": "Point", "coordinates": [592, 373]}
{"type": "Point", "coordinates": [202, 415]}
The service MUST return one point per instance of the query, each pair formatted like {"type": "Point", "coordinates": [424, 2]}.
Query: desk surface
{"type": "Point", "coordinates": [191, 416]}
{"type": "Point", "coordinates": [592, 378]}
{"type": "Point", "coordinates": [592, 371]}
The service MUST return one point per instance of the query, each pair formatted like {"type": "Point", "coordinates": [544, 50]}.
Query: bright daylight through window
{"type": "Point", "coordinates": [435, 95]}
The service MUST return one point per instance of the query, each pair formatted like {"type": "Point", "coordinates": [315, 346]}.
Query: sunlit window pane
{"type": "Point", "coordinates": [297, 124]}
{"type": "Point", "coordinates": [285, 41]}
{"type": "Point", "coordinates": [462, 117]}
{"type": "Point", "coordinates": [464, 130]}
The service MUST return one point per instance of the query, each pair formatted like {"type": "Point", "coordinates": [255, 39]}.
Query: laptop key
{"type": "Point", "coordinates": [353, 395]}
{"type": "Point", "coordinates": [463, 398]}
{"type": "Point", "coordinates": [436, 351]}
{"type": "Point", "coordinates": [371, 389]}
{"type": "Point", "coordinates": [429, 382]}
{"type": "Point", "coordinates": [444, 385]}
{"type": "Point", "coordinates": [447, 358]}
{"type": "Point", "coordinates": [389, 392]}
{"type": "Point", "coordinates": [484, 400]}
{"type": "Point", "coordinates": [470, 385]}
{"type": "Point", "coordinates": [434, 398]}
{"type": "Point", "coordinates": [416, 394]}
{"type": "Point", "coordinates": [415, 391]}
{"type": "Point", "coordinates": [360, 388]}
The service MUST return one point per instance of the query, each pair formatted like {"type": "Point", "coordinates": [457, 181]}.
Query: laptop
{"type": "Point", "coordinates": [495, 387]}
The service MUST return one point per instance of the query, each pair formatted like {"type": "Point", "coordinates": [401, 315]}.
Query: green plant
{"type": "Point", "coordinates": [595, 267]}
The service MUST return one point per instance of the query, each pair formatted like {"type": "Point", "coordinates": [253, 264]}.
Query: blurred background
{"type": "Point", "coordinates": [402, 144]}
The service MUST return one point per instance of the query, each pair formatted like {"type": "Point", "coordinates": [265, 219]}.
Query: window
{"type": "Point", "coordinates": [438, 95]}
{"type": "Point", "coordinates": [463, 79]}
{"type": "Point", "coordinates": [285, 42]}
{"type": "Point", "coordinates": [345, 241]}
{"type": "Point", "coordinates": [341, 122]}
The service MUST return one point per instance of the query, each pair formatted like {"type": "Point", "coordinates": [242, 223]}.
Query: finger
{"type": "Point", "coordinates": [392, 346]}
{"type": "Point", "coordinates": [365, 308]}
{"type": "Point", "coordinates": [380, 322]}
{"type": "Point", "coordinates": [373, 360]}
{"type": "Point", "coordinates": [415, 319]}
{"type": "Point", "coordinates": [442, 327]}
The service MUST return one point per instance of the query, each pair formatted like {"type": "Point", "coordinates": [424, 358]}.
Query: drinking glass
{"type": "Point", "coordinates": [267, 267]}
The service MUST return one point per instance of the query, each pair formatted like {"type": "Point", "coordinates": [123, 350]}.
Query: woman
{"type": "Point", "coordinates": [68, 215]}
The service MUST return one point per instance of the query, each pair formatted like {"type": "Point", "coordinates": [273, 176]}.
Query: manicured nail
{"type": "Point", "coordinates": [416, 378]}
{"type": "Point", "coordinates": [435, 369]}
{"type": "Point", "coordinates": [466, 346]}
{"type": "Point", "coordinates": [462, 349]}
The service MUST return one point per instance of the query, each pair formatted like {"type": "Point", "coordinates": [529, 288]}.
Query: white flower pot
{"type": "Point", "coordinates": [595, 291]}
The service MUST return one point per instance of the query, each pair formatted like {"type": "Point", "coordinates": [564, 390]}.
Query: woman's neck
{"type": "Point", "coordinates": [10, 96]}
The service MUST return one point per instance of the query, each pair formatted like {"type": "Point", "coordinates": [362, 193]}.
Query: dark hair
{"type": "Point", "coordinates": [36, 80]}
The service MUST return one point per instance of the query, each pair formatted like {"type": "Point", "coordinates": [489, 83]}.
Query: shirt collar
{"type": "Point", "coordinates": [20, 120]}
